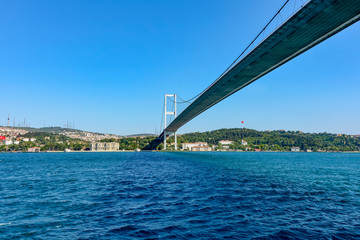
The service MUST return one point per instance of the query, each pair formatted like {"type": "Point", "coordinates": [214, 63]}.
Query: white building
{"type": "Point", "coordinates": [201, 149]}
{"type": "Point", "coordinates": [104, 146]}
{"type": "Point", "coordinates": [243, 142]}
{"type": "Point", "coordinates": [226, 142]}
{"type": "Point", "coordinates": [295, 149]}
{"type": "Point", "coordinates": [189, 146]}
{"type": "Point", "coordinates": [29, 139]}
{"type": "Point", "coordinates": [7, 142]}
{"type": "Point", "coordinates": [34, 149]}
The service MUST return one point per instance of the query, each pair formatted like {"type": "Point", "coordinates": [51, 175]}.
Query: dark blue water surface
{"type": "Point", "coordinates": [180, 195]}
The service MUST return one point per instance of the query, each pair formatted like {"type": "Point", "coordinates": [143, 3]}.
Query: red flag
{"type": "Point", "coordinates": [2, 137]}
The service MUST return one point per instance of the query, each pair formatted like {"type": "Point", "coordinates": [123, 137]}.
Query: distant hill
{"type": "Point", "coordinates": [57, 130]}
{"type": "Point", "coordinates": [276, 140]}
{"type": "Point", "coordinates": [49, 129]}
{"type": "Point", "coordinates": [54, 130]}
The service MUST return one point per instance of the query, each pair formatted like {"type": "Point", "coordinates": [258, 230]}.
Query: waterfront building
{"type": "Point", "coordinates": [295, 149]}
{"type": "Point", "coordinates": [189, 146]}
{"type": "Point", "coordinates": [201, 149]}
{"type": "Point", "coordinates": [34, 149]}
{"type": "Point", "coordinates": [225, 143]}
{"type": "Point", "coordinates": [104, 146]}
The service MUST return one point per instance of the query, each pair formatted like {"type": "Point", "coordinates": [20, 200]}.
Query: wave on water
{"type": "Point", "coordinates": [180, 196]}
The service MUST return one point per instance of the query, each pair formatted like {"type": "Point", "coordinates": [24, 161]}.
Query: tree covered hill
{"type": "Point", "coordinates": [279, 140]}
{"type": "Point", "coordinates": [54, 130]}
{"type": "Point", "coordinates": [276, 140]}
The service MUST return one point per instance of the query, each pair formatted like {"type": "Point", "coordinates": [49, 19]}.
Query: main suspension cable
{"type": "Point", "coordinates": [242, 53]}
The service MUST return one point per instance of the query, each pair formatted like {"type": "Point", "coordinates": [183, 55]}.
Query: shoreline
{"type": "Point", "coordinates": [127, 151]}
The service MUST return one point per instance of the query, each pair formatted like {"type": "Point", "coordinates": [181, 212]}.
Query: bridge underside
{"type": "Point", "coordinates": [310, 25]}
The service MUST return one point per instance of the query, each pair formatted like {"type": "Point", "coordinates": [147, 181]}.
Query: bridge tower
{"type": "Point", "coordinates": [169, 113]}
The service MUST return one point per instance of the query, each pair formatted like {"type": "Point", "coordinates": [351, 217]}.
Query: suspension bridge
{"type": "Point", "coordinates": [314, 22]}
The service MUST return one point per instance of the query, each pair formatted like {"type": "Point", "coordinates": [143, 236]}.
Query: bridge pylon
{"type": "Point", "coordinates": [165, 116]}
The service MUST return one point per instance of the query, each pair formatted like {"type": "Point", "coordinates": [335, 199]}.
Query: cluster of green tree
{"type": "Point", "coordinates": [22, 146]}
{"type": "Point", "coordinates": [263, 140]}
{"type": "Point", "coordinates": [77, 146]}
{"type": "Point", "coordinates": [131, 143]}
{"type": "Point", "coordinates": [275, 140]}
{"type": "Point", "coordinates": [268, 140]}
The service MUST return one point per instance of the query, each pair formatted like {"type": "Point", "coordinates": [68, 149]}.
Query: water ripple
{"type": "Point", "coordinates": [180, 196]}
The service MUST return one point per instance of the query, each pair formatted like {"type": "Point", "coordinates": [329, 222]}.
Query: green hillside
{"type": "Point", "coordinates": [272, 140]}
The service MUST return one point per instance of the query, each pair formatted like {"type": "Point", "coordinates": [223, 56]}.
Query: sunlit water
{"type": "Point", "coordinates": [180, 196]}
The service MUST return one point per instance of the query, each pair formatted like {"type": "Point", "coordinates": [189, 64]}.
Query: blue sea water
{"type": "Point", "coordinates": [181, 195]}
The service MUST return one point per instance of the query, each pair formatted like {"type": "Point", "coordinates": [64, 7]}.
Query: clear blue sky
{"type": "Point", "coordinates": [106, 66]}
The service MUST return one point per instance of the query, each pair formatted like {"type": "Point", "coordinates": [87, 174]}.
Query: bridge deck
{"type": "Point", "coordinates": [310, 25]}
